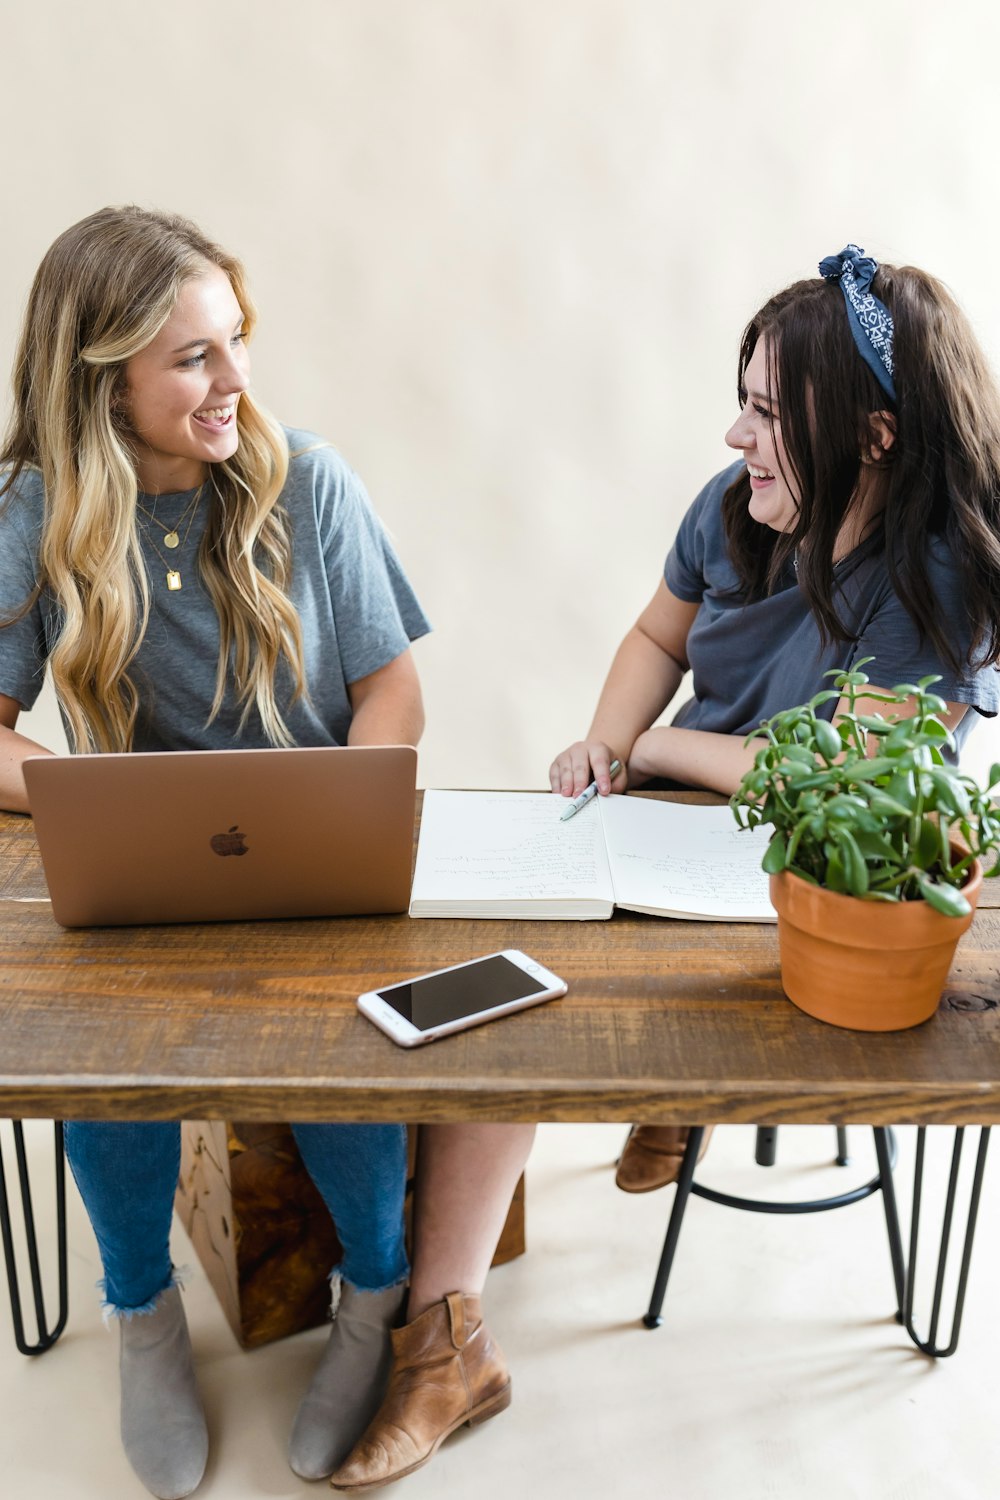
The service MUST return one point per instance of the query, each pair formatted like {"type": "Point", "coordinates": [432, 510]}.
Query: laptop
{"type": "Point", "coordinates": [224, 835]}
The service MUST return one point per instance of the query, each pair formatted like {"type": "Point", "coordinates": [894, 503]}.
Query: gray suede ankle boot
{"type": "Point", "coordinates": [349, 1384]}
{"type": "Point", "coordinates": [163, 1424]}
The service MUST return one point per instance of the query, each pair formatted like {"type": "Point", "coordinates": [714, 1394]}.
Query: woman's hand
{"type": "Point", "coordinates": [585, 761]}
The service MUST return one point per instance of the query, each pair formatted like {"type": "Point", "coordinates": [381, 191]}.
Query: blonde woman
{"type": "Point", "coordinates": [196, 577]}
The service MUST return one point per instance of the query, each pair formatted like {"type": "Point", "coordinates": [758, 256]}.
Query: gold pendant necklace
{"type": "Point", "coordinates": [172, 539]}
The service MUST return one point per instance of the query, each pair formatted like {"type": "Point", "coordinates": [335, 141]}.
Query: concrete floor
{"type": "Point", "coordinates": [778, 1374]}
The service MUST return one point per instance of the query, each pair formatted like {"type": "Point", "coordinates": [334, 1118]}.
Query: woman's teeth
{"type": "Point", "coordinates": [215, 414]}
{"type": "Point", "coordinates": [759, 473]}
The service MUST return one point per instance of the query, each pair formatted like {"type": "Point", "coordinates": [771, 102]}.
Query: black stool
{"type": "Point", "coordinates": [766, 1147]}
{"type": "Point", "coordinates": [46, 1335]}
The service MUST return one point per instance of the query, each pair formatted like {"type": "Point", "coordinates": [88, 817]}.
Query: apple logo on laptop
{"type": "Point", "coordinates": [232, 842]}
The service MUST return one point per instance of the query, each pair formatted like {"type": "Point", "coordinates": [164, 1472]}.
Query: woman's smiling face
{"type": "Point", "coordinates": [757, 434]}
{"type": "Point", "coordinates": [182, 390]}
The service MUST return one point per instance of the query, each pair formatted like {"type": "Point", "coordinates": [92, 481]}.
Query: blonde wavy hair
{"type": "Point", "coordinates": [102, 293]}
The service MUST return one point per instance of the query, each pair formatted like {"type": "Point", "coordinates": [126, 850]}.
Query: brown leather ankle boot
{"type": "Point", "coordinates": [653, 1156]}
{"type": "Point", "coordinates": [446, 1370]}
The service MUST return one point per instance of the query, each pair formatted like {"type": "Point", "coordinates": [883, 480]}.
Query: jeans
{"type": "Point", "coordinates": [127, 1173]}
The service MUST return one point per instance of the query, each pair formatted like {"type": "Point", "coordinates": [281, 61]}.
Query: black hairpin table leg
{"type": "Point", "coordinates": [46, 1335]}
{"type": "Point", "coordinates": [885, 1154]}
{"type": "Point", "coordinates": [932, 1345]}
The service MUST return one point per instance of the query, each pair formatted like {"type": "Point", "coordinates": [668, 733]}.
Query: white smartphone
{"type": "Point", "coordinates": [447, 1000]}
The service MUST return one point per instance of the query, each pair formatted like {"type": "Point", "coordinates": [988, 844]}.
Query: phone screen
{"type": "Point", "coordinates": [465, 991]}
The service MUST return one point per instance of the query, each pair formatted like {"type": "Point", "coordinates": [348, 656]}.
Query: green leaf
{"type": "Point", "coordinates": [803, 781]}
{"type": "Point", "coordinates": [936, 730]}
{"type": "Point", "coordinates": [828, 741]}
{"type": "Point", "coordinates": [903, 787]}
{"type": "Point", "coordinates": [951, 790]}
{"type": "Point", "coordinates": [869, 770]}
{"type": "Point", "coordinates": [774, 856]}
{"type": "Point", "coordinates": [836, 875]}
{"type": "Point", "coordinates": [928, 844]}
{"type": "Point", "coordinates": [887, 807]}
{"type": "Point", "coordinates": [901, 735]}
{"type": "Point", "coordinates": [874, 845]}
{"type": "Point", "coordinates": [855, 869]}
{"type": "Point", "coordinates": [944, 898]}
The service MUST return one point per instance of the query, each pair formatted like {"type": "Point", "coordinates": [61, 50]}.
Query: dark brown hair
{"type": "Point", "coordinates": [940, 478]}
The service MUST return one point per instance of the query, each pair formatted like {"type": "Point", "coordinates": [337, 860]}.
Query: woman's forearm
{"type": "Point", "coordinates": [14, 751]}
{"type": "Point", "coordinates": [696, 757]}
{"type": "Point", "coordinates": [642, 680]}
{"type": "Point", "coordinates": [388, 707]}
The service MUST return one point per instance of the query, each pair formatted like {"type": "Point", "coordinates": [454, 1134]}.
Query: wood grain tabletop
{"type": "Point", "coordinates": [664, 1021]}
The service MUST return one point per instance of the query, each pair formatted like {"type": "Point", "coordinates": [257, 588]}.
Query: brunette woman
{"type": "Point", "coordinates": [861, 520]}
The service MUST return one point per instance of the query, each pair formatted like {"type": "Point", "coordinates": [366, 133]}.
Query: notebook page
{"type": "Point", "coordinates": [679, 860]}
{"type": "Point", "coordinates": [494, 848]}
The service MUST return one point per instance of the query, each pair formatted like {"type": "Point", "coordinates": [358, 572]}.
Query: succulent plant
{"type": "Point", "coordinates": [866, 804]}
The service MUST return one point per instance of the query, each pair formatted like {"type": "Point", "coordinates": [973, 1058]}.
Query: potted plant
{"type": "Point", "coordinates": [878, 851]}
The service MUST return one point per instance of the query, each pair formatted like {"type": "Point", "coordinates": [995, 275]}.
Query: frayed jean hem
{"type": "Point", "coordinates": [338, 1279]}
{"type": "Point", "coordinates": [113, 1312]}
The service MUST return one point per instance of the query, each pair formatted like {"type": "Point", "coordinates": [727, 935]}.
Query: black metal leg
{"type": "Point", "coordinates": [885, 1154]}
{"type": "Point", "coordinates": [766, 1145]}
{"type": "Point", "coordinates": [46, 1336]}
{"type": "Point", "coordinates": [843, 1155]}
{"type": "Point", "coordinates": [931, 1344]}
{"type": "Point", "coordinates": [652, 1318]}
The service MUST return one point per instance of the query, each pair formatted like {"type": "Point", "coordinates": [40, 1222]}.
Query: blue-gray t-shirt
{"type": "Point", "coordinates": [358, 611]}
{"type": "Point", "coordinates": [750, 661]}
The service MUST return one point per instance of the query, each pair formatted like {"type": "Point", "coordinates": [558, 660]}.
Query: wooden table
{"type": "Point", "coordinates": [664, 1021]}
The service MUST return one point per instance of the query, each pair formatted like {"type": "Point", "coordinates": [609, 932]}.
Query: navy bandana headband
{"type": "Point", "coordinates": [870, 319]}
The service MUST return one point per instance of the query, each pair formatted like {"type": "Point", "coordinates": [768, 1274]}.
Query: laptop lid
{"type": "Point", "coordinates": [224, 835]}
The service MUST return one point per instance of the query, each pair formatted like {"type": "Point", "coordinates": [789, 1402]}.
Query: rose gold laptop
{"type": "Point", "coordinates": [224, 835]}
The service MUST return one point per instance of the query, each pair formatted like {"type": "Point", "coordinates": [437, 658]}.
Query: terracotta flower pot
{"type": "Point", "coordinates": [867, 965]}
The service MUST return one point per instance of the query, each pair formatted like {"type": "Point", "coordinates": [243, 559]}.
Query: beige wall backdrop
{"type": "Point", "coordinates": [503, 251]}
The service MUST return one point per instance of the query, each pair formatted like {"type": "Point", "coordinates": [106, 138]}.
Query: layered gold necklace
{"type": "Point", "coordinates": [172, 535]}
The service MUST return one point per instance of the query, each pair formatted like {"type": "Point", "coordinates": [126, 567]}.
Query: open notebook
{"type": "Point", "coordinates": [507, 854]}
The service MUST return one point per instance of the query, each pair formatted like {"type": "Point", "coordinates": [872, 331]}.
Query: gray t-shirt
{"type": "Point", "coordinates": [750, 661]}
{"type": "Point", "coordinates": [357, 609]}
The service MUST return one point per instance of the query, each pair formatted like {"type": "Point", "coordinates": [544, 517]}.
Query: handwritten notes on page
{"type": "Point", "coordinates": [507, 854]}
{"type": "Point", "coordinates": [675, 860]}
